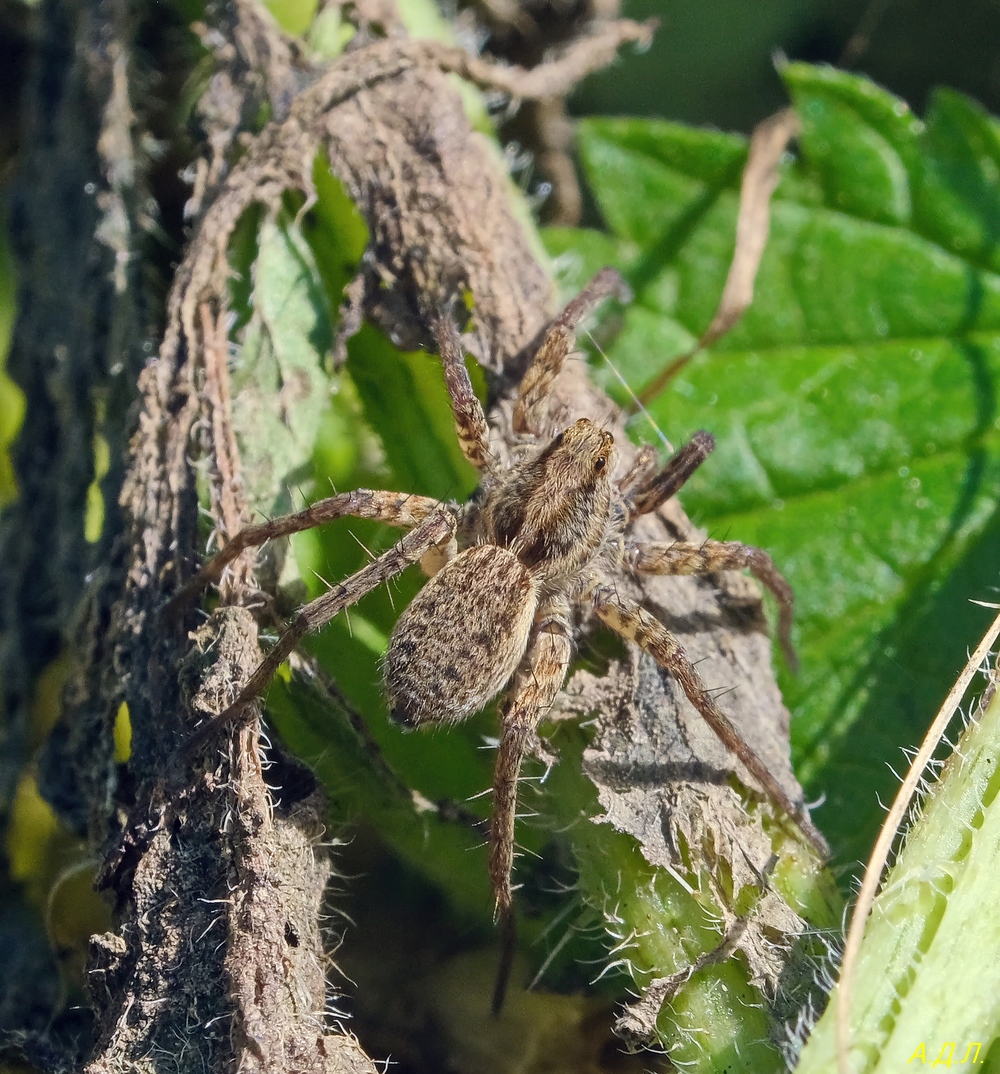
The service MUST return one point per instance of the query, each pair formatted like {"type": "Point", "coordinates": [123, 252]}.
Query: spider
{"type": "Point", "coordinates": [545, 535]}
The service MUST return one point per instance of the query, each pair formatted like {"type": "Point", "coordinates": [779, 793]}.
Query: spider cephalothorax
{"type": "Point", "coordinates": [552, 510]}
{"type": "Point", "coordinates": [547, 535]}
{"type": "Point", "coordinates": [540, 524]}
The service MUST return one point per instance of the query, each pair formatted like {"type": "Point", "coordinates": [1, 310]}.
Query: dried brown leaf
{"type": "Point", "coordinates": [760, 176]}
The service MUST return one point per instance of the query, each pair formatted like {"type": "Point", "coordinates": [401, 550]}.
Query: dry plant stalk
{"type": "Point", "coordinates": [760, 177]}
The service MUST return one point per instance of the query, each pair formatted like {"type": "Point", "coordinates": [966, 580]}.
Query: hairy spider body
{"type": "Point", "coordinates": [546, 535]}
{"type": "Point", "coordinates": [463, 636]}
{"type": "Point", "coordinates": [552, 509]}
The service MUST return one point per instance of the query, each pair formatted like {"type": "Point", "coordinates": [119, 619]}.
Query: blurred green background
{"type": "Point", "coordinates": [712, 60]}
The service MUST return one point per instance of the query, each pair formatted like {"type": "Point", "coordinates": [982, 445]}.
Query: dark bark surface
{"type": "Point", "coordinates": [76, 351]}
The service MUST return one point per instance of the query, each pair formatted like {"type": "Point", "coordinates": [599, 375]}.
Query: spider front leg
{"type": "Point", "coordinates": [471, 426]}
{"type": "Point", "coordinates": [682, 558]}
{"type": "Point", "coordinates": [393, 508]}
{"type": "Point", "coordinates": [432, 532]}
{"type": "Point", "coordinates": [536, 685]}
{"type": "Point", "coordinates": [634, 623]}
{"type": "Point", "coordinates": [557, 341]}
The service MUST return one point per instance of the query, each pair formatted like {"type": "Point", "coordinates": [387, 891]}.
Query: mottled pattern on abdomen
{"type": "Point", "coordinates": [462, 637]}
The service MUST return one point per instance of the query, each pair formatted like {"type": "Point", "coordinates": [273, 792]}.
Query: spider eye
{"type": "Point", "coordinates": [600, 463]}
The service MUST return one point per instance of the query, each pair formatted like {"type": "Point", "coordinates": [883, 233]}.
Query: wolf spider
{"type": "Point", "coordinates": [542, 536]}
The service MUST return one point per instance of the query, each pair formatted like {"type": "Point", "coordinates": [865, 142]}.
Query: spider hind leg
{"type": "Point", "coordinates": [634, 623]}
{"type": "Point", "coordinates": [437, 529]}
{"type": "Point", "coordinates": [679, 557]}
{"type": "Point", "coordinates": [536, 685]}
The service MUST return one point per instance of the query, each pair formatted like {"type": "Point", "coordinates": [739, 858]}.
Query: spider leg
{"type": "Point", "coordinates": [650, 490]}
{"type": "Point", "coordinates": [557, 341]}
{"type": "Point", "coordinates": [470, 421]}
{"type": "Point", "coordinates": [435, 530]}
{"type": "Point", "coordinates": [393, 508]}
{"type": "Point", "coordinates": [711, 556]}
{"type": "Point", "coordinates": [634, 623]}
{"type": "Point", "coordinates": [536, 685]}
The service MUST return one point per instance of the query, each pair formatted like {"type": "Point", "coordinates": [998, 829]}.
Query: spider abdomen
{"type": "Point", "coordinates": [461, 638]}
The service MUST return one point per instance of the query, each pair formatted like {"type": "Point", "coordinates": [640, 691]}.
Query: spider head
{"type": "Point", "coordinates": [581, 456]}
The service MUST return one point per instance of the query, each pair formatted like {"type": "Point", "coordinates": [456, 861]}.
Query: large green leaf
{"type": "Point", "coordinates": [854, 405]}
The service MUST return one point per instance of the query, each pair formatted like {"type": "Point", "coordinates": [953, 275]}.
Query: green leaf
{"type": "Point", "coordinates": [360, 787]}
{"type": "Point", "coordinates": [854, 404]}
{"type": "Point", "coordinates": [936, 921]}
{"type": "Point", "coordinates": [405, 402]}
{"type": "Point", "coordinates": [958, 199]}
{"type": "Point", "coordinates": [280, 372]}
{"type": "Point", "coordinates": [656, 176]}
